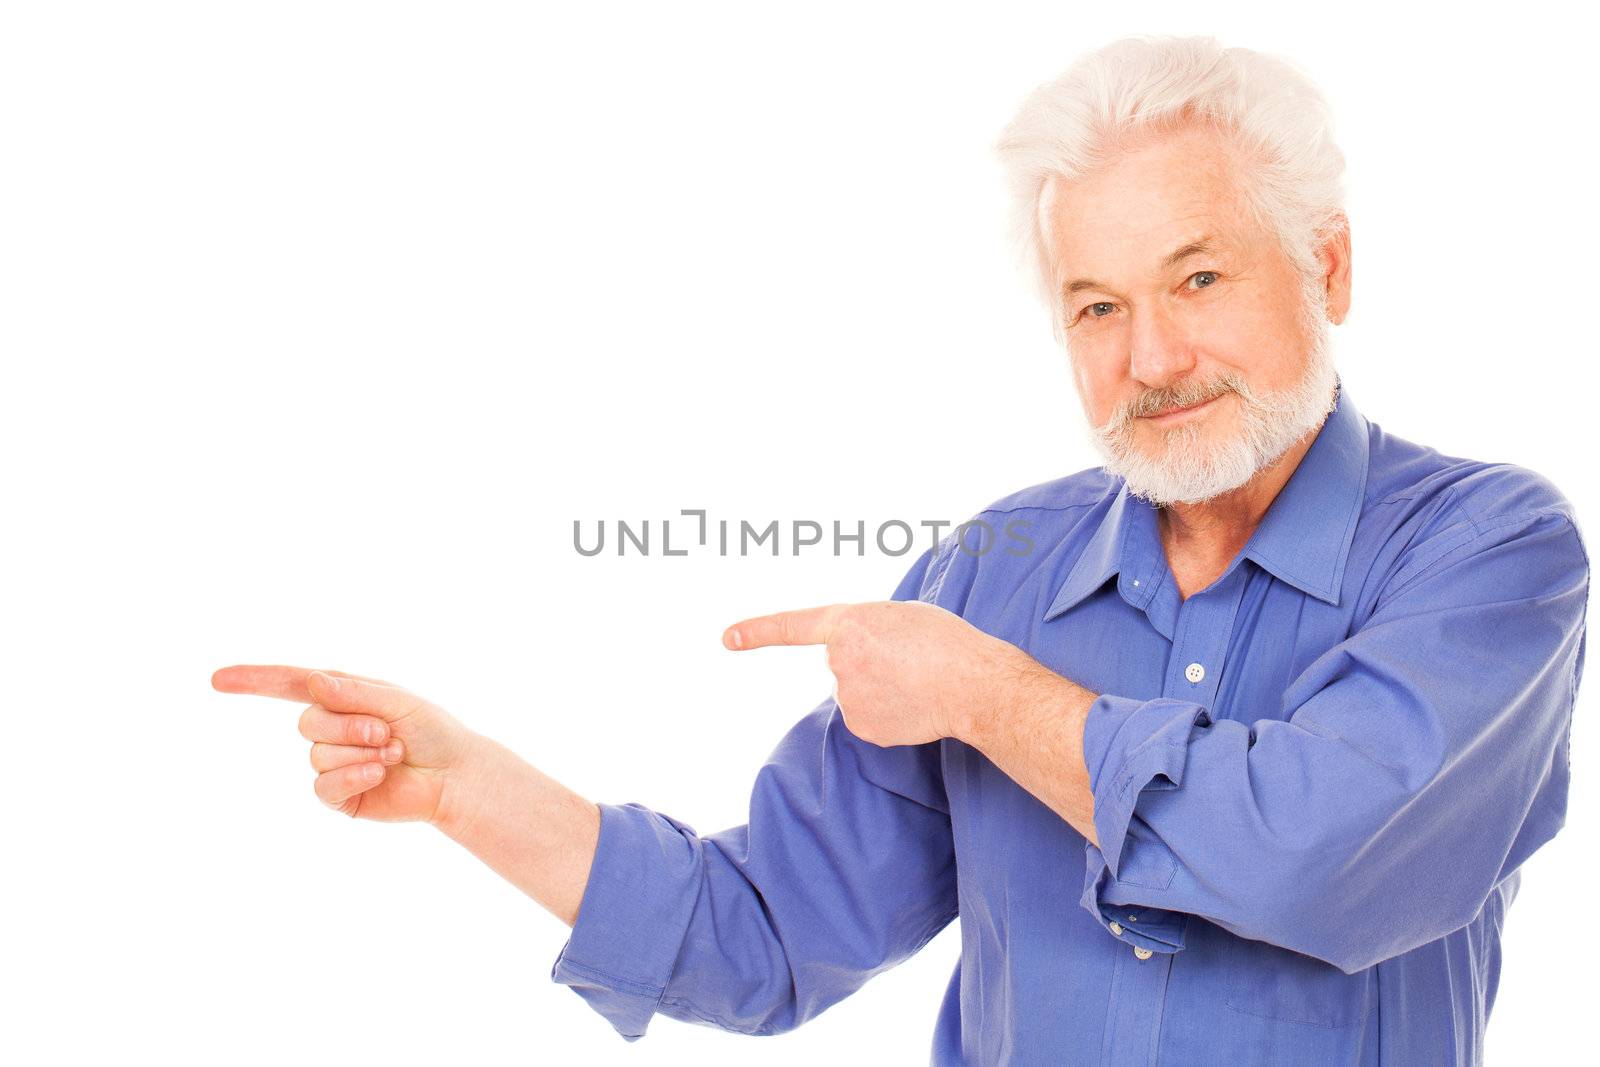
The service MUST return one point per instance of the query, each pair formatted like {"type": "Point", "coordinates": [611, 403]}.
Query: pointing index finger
{"type": "Point", "coordinates": [274, 680]}
{"type": "Point", "coordinates": [808, 626]}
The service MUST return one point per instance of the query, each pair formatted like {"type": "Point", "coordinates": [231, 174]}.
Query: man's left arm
{"type": "Point", "coordinates": [1422, 761]}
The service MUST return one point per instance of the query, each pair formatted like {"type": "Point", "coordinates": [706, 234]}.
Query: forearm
{"type": "Point", "coordinates": [1037, 740]}
{"type": "Point", "coordinates": [532, 830]}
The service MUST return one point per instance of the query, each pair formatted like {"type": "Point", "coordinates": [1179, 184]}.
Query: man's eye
{"type": "Point", "coordinates": [1095, 312]}
{"type": "Point", "coordinates": [1203, 278]}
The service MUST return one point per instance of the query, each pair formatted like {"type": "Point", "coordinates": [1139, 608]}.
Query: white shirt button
{"type": "Point", "coordinates": [1195, 673]}
{"type": "Point", "coordinates": [1142, 953]}
{"type": "Point", "coordinates": [1116, 929]}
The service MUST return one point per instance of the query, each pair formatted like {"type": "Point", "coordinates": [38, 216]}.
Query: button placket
{"type": "Point", "coordinates": [1205, 625]}
{"type": "Point", "coordinates": [1136, 1008]}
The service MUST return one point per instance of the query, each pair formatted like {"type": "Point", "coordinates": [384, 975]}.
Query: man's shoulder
{"type": "Point", "coordinates": [1438, 506]}
{"type": "Point", "coordinates": [1036, 528]}
{"type": "Point", "coordinates": [1068, 495]}
{"type": "Point", "coordinates": [1481, 492]}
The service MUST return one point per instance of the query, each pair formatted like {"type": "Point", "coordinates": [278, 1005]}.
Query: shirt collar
{"type": "Point", "coordinates": [1303, 539]}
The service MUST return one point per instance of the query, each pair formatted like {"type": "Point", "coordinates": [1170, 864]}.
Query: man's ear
{"type": "Point", "coordinates": [1334, 256]}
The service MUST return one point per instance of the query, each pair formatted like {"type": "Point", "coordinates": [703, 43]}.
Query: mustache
{"type": "Point", "coordinates": [1183, 395]}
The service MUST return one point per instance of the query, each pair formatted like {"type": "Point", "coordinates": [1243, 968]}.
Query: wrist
{"type": "Point", "coordinates": [529, 828]}
{"type": "Point", "coordinates": [466, 784]}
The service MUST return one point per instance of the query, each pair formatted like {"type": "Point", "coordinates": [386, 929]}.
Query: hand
{"type": "Point", "coordinates": [907, 672]}
{"type": "Point", "coordinates": [380, 752]}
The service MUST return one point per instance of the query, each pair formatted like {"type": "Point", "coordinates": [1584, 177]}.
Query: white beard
{"type": "Point", "coordinates": [1186, 471]}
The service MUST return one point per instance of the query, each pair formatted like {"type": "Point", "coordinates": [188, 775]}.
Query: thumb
{"type": "Point", "coordinates": [352, 695]}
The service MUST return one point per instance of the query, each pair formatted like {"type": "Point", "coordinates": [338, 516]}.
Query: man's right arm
{"type": "Point", "coordinates": [845, 868]}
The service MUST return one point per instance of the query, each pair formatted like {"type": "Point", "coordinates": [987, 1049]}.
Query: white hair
{"type": "Point", "coordinates": [1277, 119]}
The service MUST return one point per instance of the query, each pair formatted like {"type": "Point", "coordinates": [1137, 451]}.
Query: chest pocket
{"type": "Point", "coordinates": [1273, 983]}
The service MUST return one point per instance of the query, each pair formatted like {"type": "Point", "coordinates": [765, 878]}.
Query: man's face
{"type": "Point", "coordinates": [1172, 298]}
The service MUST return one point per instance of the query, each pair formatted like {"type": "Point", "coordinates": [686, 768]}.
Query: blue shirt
{"type": "Point", "coordinates": [1314, 783]}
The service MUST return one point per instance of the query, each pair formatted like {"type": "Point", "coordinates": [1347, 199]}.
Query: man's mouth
{"type": "Point", "coordinates": [1171, 415]}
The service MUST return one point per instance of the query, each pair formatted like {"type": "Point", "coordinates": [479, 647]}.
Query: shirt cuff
{"type": "Point", "coordinates": [634, 915]}
{"type": "Point", "coordinates": [1151, 929]}
{"type": "Point", "coordinates": [1129, 746]}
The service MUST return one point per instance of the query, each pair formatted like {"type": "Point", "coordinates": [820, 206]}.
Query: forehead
{"type": "Point", "coordinates": [1120, 222]}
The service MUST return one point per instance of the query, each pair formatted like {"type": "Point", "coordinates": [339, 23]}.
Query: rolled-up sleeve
{"type": "Point", "coordinates": [845, 868]}
{"type": "Point", "coordinates": [1421, 761]}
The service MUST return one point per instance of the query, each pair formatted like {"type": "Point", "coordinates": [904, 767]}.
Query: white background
{"type": "Point", "coordinates": [322, 322]}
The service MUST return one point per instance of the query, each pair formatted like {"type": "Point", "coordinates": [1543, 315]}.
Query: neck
{"type": "Point", "coordinates": [1217, 528]}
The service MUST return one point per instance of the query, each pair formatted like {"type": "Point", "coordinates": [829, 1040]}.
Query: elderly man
{"type": "Point", "coordinates": [1238, 764]}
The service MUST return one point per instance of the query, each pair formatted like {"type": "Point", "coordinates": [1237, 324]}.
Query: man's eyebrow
{"type": "Point", "coordinates": [1193, 248]}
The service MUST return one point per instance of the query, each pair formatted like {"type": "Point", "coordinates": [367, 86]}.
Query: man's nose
{"type": "Point", "coordinates": [1160, 351]}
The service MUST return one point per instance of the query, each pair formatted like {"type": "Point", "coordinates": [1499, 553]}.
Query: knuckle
{"type": "Point", "coordinates": [307, 719]}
